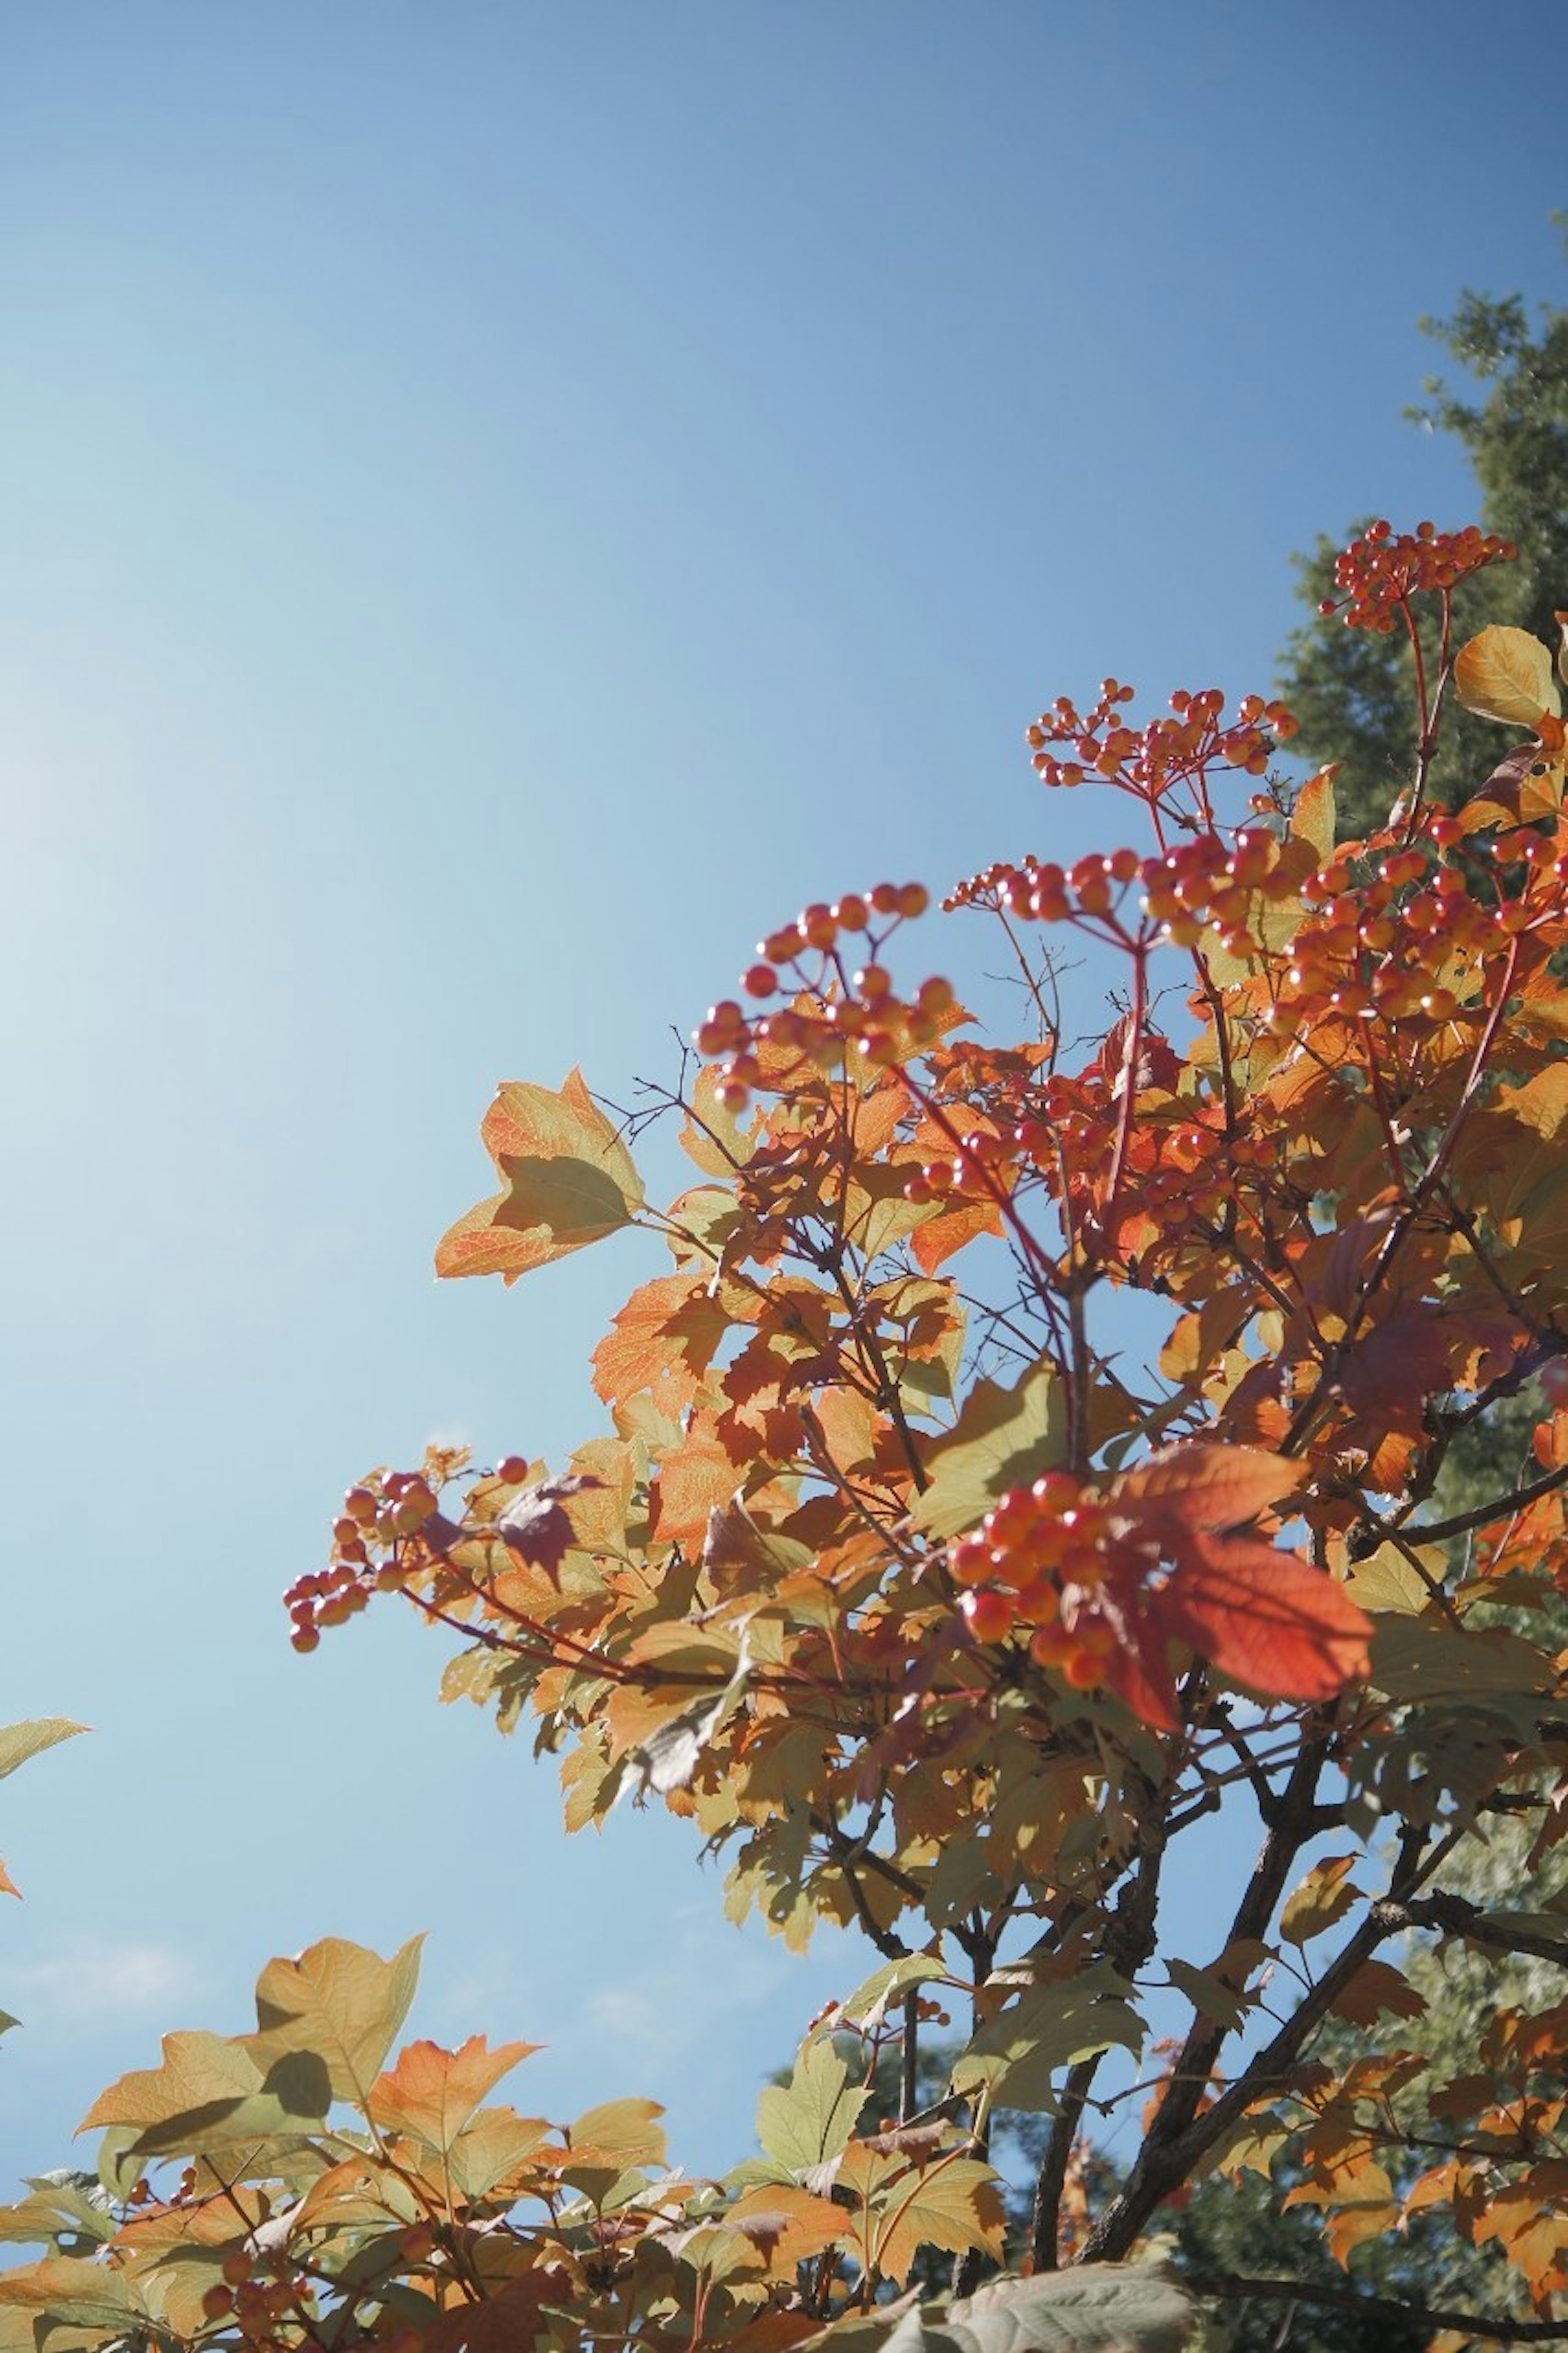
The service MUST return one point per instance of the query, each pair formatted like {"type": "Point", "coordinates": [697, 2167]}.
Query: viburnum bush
{"type": "Point", "coordinates": [942, 1623]}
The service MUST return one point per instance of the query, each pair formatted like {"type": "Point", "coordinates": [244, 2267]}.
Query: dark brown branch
{"type": "Point", "coordinates": [1458, 1917]}
{"type": "Point", "coordinates": [1462, 1522]}
{"type": "Point", "coordinates": [1502, 2328]}
{"type": "Point", "coordinates": [1131, 1937]}
{"type": "Point", "coordinates": [1051, 2179]}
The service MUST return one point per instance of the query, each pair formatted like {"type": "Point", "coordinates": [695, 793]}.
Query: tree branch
{"type": "Point", "coordinates": [1462, 1522]}
{"type": "Point", "coordinates": [1458, 1917]}
{"type": "Point", "coordinates": [1502, 2328]}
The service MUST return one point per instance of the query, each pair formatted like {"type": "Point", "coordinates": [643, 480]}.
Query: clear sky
{"type": "Point", "coordinates": [501, 503]}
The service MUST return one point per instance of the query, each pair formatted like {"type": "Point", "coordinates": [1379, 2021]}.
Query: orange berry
{"type": "Point", "coordinates": [989, 1615]}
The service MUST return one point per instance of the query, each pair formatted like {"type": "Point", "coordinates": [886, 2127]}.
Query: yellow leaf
{"type": "Point", "coordinates": [341, 2004]}
{"type": "Point", "coordinates": [1313, 818]}
{"type": "Point", "coordinates": [1506, 674]}
{"type": "Point", "coordinates": [955, 2203]}
{"type": "Point", "coordinates": [568, 1180]}
{"type": "Point", "coordinates": [1324, 1896]}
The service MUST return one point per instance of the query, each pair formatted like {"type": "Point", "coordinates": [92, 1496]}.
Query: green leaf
{"type": "Point", "coordinates": [1003, 1438]}
{"type": "Point", "coordinates": [812, 2121]}
{"type": "Point", "coordinates": [870, 2003]}
{"type": "Point", "coordinates": [1209, 1994]}
{"type": "Point", "coordinates": [1387, 1580]}
{"type": "Point", "coordinates": [20, 1741]}
{"type": "Point", "coordinates": [1016, 2054]}
{"type": "Point", "coordinates": [1426, 1659]}
{"type": "Point", "coordinates": [210, 2093]}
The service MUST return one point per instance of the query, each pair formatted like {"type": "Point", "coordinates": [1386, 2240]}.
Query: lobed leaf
{"type": "Point", "coordinates": [567, 1180]}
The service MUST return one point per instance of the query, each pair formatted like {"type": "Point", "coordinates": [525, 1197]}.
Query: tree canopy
{"type": "Point", "coordinates": [945, 1622]}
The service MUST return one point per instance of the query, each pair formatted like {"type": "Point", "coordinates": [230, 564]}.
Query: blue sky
{"type": "Point", "coordinates": [500, 504]}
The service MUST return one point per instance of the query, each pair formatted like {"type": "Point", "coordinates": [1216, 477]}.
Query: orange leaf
{"type": "Point", "coordinates": [696, 1478]}
{"type": "Point", "coordinates": [568, 1180]}
{"type": "Point", "coordinates": [431, 2093]}
{"type": "Point", "coordinates": [1377, 1990]}
{"type": "Point", "coordinates": [1212, 1486]}
{"type": "Point", "coordinates": [663, 1343]}
{"type": "Point", "coordinates": [1265, 1617]}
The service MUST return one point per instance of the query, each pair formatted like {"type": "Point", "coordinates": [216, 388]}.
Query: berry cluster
{"type": "Point", "coordinates": [256, 2304]}
{"type": "Point", "coordinates": [1151, 763]}
{"type": "Point", "coordinates": [840, 1009]}
{"type": "Point", "coordinates": [1035, 1566]}
{"type": "Point", "coordinates": [1366, 949]}
{"type": "Point", "coordinates": [1204, 881]}
{"type": "Point", "coordinates": [1379, 572]}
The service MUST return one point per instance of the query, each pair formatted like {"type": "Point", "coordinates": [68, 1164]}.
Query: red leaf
{"type": "Point", "coordinates": [1211, 1486]}
{"type": "Point", "coordinates": [1266, 1618]}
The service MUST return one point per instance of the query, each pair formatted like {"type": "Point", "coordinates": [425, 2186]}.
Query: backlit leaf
{"type": "Point", "coordinates": [1324, 1898]}
{"type": "Point", "coordinates": [20, 1741]}
{"type": "Point", "coordinates": [210, 2093]}
{"type": "Point", "coordinates": [1506, 674]}
{"type": "Point", "coordinates": [1378, 1990]}
{"type": "Point", "coordinates": [953, 2204]}
{"type": "Point", "coordinates": [1269, 1620]}
{"type": "Point", "coordinates": [1213, 1486]}
{"type": "Point", "coordinates": [432, 2093]}
{"type": "Point", "coordinates": [341, 2004]}
{"type": "Point", "coordinates": [1003, 1438]}
{"type": "Point", "coordinates": [567, 1180]}
{"type": "Point", "coordinates": [810, 2122]}
{"type": "Point", "coordinates": [1018, 2054]}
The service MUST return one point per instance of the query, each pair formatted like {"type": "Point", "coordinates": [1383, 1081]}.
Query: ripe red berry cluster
{"type": "Point", "coordinates": [1035, 1567]}
{"type": "Point", "coordinates": [840, 1011]}
{"type": "Point", "coordinates": [1380, 572]}
{"type": "Point", "coordinates": [1151, 763]}
{"type": "Point", "coordinates": [1367, 947]}
{"type": "Point", "coordinates": [1206, 881]}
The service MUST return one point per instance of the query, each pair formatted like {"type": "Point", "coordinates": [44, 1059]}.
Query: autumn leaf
{"type": "Point", "coordinates": [954, 2203]}
{"type": "Point", "coordinates": [1211, 1486]}
{"type": "Point", "coordinates": [209, 2094]}
{"type": "Point", "coordinates": [1323, 1899]}
{"type": "Point", "coordinates": [536, 1525]}
{"type": "Point", "coordinates": [1378, 1990]}
{"type": "Point", "coordinates": [567, 1180]}
{"type": "Point", "coordinates": [1266, 1618]}
{"type": "Point", "coordinates": [663, 1343]}
{"type": "Point", "coordinates": [18, 1742]}
{"type": "Point", "coordinates": [1003, 1438]}
{"type": "Point", "coordinates": [341, 2004]}
{"type": "Point", "coordinates": [431, 2093]}
{"type": "Point", "coordinates": [1506, 674]}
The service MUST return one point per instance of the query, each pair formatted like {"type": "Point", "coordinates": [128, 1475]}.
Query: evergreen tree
{"type": "Point", "coordinates": [1350, 689]}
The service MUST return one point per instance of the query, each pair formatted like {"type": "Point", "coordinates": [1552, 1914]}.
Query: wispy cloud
{"type": "Point", "coordinates": [94, 1983]}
